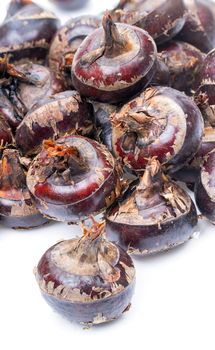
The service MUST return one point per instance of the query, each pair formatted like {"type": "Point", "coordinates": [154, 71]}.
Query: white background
{"type": "Point", "coordinates": [173, 307]}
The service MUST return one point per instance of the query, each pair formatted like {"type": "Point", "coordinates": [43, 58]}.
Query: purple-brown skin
{"type": "Point", "coordinates": [162, 122]}
{"type": "Point", "coordinates": [27, 34]}
{"type": "Point", "coordinates": [199, 29]}
{"type": "Point", "coordinates": [162, 75]}
{"type": "Point", "coordinates": [205, 89]}
{"type": "Point", "coordinates": [183, 61]}
{"type": "Point", "coordinates": [47, 84]}
{"type": "Point", "coordinates": [162, 19]}
{"type": "Point", "coordinates": [6, 136]}
{"type": "Point", "coordinates": [74, 178]}
{"type": "Point", "coordinates": [66, 42]}
{"type": "Point", "coordinates": [102, 113]}
{"type": "Point", "coordinates": [22, 87]}
{"type": "Point", "coordinates": [190, 172]}
{"type": "Point", "coordinates": [55, 116]}
{"type": "Point", "coordinates": [17, 209]}
{"type": "Point", "coordinates": [205, 188]}
{"type": "Point", "coordinates": [8, 112]}
{"type": "Point", "coordinates": [114, 62]}
{"type": "Point", "coordinates": [88, 280]}
{"type": "Point", "coordinates": [152, 217]}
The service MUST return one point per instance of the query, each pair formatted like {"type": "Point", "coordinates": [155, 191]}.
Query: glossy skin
{"type": "Point", "coordinates": [190, 173]}
{"type": "Point", "coordinates": [183, 61]}
{"type": "Point", "coordinates": [153, 216]}
{"type": "Point", "coordinates": [97, 302]}
{"type": "Point", "coordinates": [102, 113]}
{"type": "Point", "coordinates": [54, 117]}
{"type": "Point", "coordinates": [205, 188]}
{"type": "Point", "coordinates": [8, 112]}
{"type": "Point", "coordinates": [205, 93]}
{"type": "Point", "coordinates": [26, 39]}
{"type": "Point", "coordinates": [199, 29]}
{"type": "Point", "coordinates": [17, 209]}
{"type": "Point", "coordinates": [96, 183]}
{"type": "Point", "coordinates": [115, 77]}
{"type": "Point", "coordinates": [66, 42]}
{"type": "Point", "coordinates": [173, 138]}
{"type": "Point", "coordinates": [160, 18]}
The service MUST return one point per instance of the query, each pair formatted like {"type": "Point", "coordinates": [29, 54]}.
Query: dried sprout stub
{"type": "Point", "coordinates": [205, 188]}
{"type": "Point", "coordinates": [114, 62]}
{"type": "Point", "coordinates": [73, 178]}
{"type": "Point", "coordinates": [161, 122]}
{"type": "Point", "coordinates": [22, 86]}
{"type": "Point", "coordinates": [66, 42]}
{"type": "Point", "coordinates": [88, 280]}
{"type": "Point", "coordinates": [153, 216]}
{"type": "Point", "coordinates": [17, 209]}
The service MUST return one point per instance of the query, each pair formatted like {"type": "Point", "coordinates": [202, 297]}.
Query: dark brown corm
{"type": "Point", "coordinates": [73, 178]}
{"type": "Point", "coordinates": [88, 280]}
{"type": "Point", "coordinates": [183, 61]}
{"type": "Point", "coordinates": [114, 62]}
{"type": "Point", "coordinates": [190, 172]}
{"type": "Point", "coordinates": [17, 209]}
{"type": "Point", "coordinates": [153, 216]}
{"type": "Point", "coordinates": [22, 86]}
{"type": "Point", "coordinates": [55, 116]}
{"type": "Point", "coordinates": [205, 93]}
{"type": "Point", "coordinates": [161, 122]}
{"type": "Point", "coordinates": [205, 187]}
{"type": "Point", "coordinates": [160, 18]}
{"type": "Point", "coordinates": [199, 29]}
{"type": "Point", "coordinates": [26, 33]}
{"type": "Point", "coordinates": [66, 42]}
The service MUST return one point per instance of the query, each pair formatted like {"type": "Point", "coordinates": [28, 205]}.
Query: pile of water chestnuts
{"type": "Point", "coordinates": [107, 115]}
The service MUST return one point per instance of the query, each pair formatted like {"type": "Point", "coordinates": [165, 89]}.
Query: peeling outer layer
{"type": "Point", "coordinates": [161, 122]}
{"type": "Point", "coordinates": [17, 209]}
{"type": "Point", "coordinates": [74, 178]}
{"type": "Point", "coordinates": [205, 188]}
{"type": "Point", "coordinates": [55, 116]}
{"type": "Point", "coordinates": [154, 216]}
{"type": "Point", "coordinates": [190, 172]}
{"type": "Point", "coordinates": [205, 93]}
{"type": "Point", "coordinates": [6, 136]}
{"type": "Point", "coordinates": [160, 18]}
{"type": "Point", "coordinates": [88, 280]}
{"type": "Point", "coordinates": [102, 113]}
{"type": "Point", "coordinates": [46, 84]}
{"type": "Point", "coordinates": [27, 34]}
{"type": "Point", "coordinates": [184, 62]}
{"type": "Point", "coordinates": [199, 29]}
{"type": "Point", "coordinates": [114, 62]}
{"type": "Point", "coordinates": [66, 42]}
